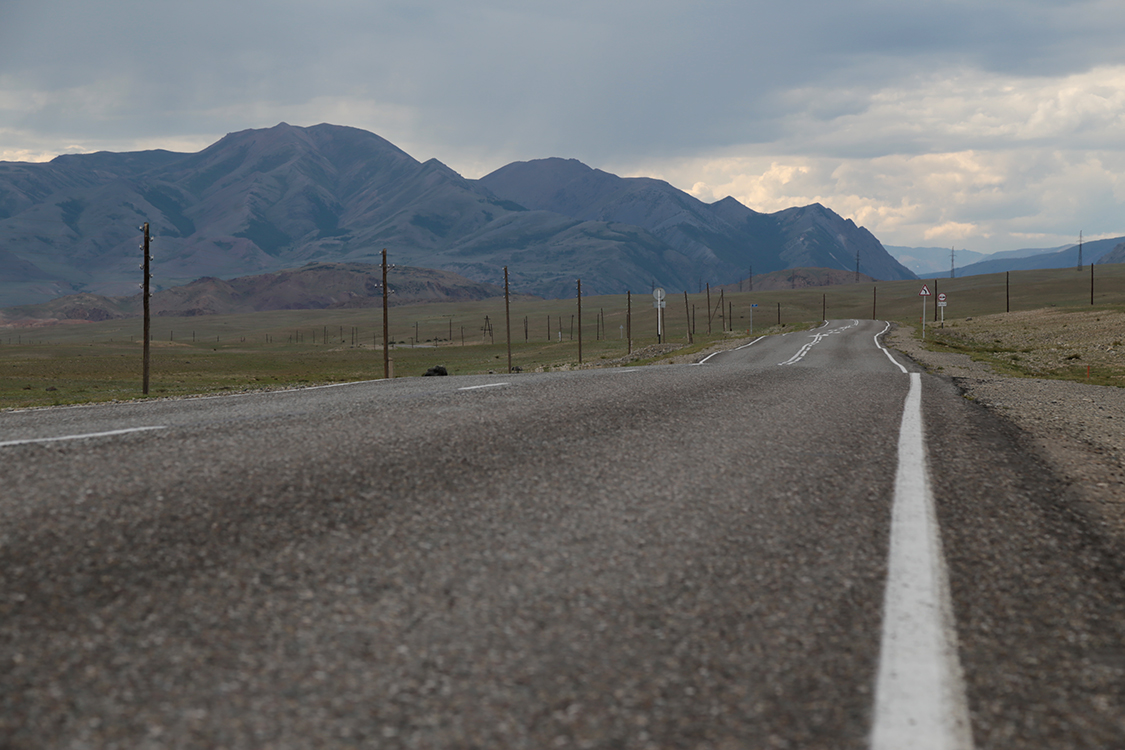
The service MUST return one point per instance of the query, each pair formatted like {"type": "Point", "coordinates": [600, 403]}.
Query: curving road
{"type": "Point", "coordinates": [689, 556]}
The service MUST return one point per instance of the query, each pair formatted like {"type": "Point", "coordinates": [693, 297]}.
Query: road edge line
{"type": "Point", "coordinates": [32, 441]}
{"type": "Point", "coordinates": [920, 698]}
{"type": "Point", "coordinates": [886, 351]}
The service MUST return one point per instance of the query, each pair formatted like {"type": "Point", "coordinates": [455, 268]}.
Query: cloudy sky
{"type": "Point", "coordinates": [985, 124]}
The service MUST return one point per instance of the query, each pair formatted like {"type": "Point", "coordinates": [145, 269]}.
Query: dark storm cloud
{"type": "Point", "coordinates": [598, 79]}
{"type": "Point", "coordinates": [909, 116]}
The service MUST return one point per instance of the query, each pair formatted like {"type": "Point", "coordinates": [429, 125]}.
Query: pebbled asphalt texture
{"type": "Point", "coordinates": [666, 557]}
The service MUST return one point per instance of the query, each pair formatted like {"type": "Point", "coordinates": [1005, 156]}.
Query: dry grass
{"type": "Point", "coordinates": [1072, 344]}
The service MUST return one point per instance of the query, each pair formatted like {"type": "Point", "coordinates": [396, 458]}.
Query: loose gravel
{"type": "Point", "coordinates": [1078, 430]}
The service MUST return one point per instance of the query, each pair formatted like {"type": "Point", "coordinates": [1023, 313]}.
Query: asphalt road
{"type": "Point", "coordinates": [667, 557]}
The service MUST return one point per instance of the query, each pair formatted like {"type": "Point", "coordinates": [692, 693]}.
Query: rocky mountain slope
{"type": "Point", "coordinates": [725, 236]}
{"type": "Point", "coordinates": [264, 200]}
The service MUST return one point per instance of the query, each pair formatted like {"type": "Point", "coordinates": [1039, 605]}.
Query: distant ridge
{"type": "Point", "coordinates": [260, 201]}
{"type": "Point", "coordinates": [1064, 257]}
{"type": "Point", "coordinates": [317, 286]}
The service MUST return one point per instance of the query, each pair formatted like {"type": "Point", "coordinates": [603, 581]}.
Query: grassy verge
{"type": "Point", "coordinates": [64, 363]}
{"type": "Point", "coordinates": [1075, 344]}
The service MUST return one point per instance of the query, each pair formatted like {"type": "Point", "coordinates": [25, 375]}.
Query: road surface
{"type": "Point", "coordinates": [687, 556]}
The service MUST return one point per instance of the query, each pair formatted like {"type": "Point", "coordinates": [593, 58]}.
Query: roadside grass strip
{"type": "Point", "coordinates": [83, 436]}
{"type": "Point", "coordinates": [919, 693]}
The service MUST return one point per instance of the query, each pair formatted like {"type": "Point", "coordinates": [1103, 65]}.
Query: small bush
{"type": "Point", "coordinates": [436, 370]}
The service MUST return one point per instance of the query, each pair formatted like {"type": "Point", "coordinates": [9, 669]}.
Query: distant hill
{"type": "Point", "coordinates": [260, 201]}
{"type": "Point", "coordinates": [1116, 255]}
{"type": "Point", "coordinates": [1064, 257]}
{"type": "Point", "coordinates": [932, 260]}
{"type": "Point", "coordinates": [317, 286]}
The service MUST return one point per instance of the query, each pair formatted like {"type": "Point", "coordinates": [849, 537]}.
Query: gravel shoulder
{"type": "Point", "coordinates": [1078, 430]}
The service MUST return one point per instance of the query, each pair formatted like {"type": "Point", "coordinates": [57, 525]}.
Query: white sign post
{"type": "Point", "coordinates": [752, 319]}
{"type": "Point", "coordinates": [941, 304]}
{"type": "Point", "coordinates": [658, 295]}
{"type": "Point", "coordinates": [923, 294]}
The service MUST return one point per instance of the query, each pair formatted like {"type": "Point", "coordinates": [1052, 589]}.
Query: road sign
{"type": "Point", "coordinates": [658, 294]}
{"type": "Point", "coordinates": [941, 297]}
{"type": "Point", "coordinates": [925, 291]}
{"type": "Point", "coordinates": [941, 303]}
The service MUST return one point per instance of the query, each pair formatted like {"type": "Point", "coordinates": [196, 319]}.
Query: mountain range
{"type": "Point", "coordinates": [930, 262]}
{"type": "Point", "coordinates": [259, 201]}
{"type": "Point", "coordinates": [1059, 257]}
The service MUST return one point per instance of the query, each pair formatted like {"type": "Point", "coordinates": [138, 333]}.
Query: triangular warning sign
{"type": "Point", "coordinates": [925, 291]}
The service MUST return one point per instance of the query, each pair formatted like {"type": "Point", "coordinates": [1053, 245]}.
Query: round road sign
{"type": "Point", "coordinates": [658, 294]}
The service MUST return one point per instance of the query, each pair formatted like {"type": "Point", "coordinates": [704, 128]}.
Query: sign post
{"type": "Point", "coordinates": [752, 319]}
{"type": "Point", "coordinates": [658, 295]}
{"type": "Point", "coordinates": [941, 304]}
{"type": "Point", "coordinates": [923, 294]}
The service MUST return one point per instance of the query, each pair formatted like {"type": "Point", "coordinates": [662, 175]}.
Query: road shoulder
{"type": "Point", "coordinates": [1077, 430]}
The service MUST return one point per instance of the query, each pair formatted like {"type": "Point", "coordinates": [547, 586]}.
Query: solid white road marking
{"type": "Point", "coordinates": [880, 345]}
{"type": "Point", "coordinates": [79, 437]}
{"type": "Point", "coordinates": [920, 692]}
{"type": "Point", "coordinates": [487, 385]}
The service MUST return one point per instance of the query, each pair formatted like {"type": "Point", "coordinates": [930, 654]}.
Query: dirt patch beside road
{"type": "Point", "coordinates": [1076, 428]}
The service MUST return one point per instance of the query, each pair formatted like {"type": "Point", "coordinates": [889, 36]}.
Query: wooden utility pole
{"type": "Point", "coordinates": [687, 312]}
{"type": "Point", "coordinates": [709, 310]}
{"type": "Point", "coordinates": [507, 319]}
{"type": "Point", "coordinates": [386, 328]}
{"type": "Point", "coordinates": [629, 320]}
{"type": "Point", "coordinates": [579, 321]}
{"type": "Point", "coordinates": [147, 295]}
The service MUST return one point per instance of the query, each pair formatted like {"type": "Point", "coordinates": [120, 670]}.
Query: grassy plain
{"type": "Point", "coordinates": [64, 363]}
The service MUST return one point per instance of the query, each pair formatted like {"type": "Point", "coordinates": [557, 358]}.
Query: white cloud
{"type": "Point", "coordinates": [985, 160]}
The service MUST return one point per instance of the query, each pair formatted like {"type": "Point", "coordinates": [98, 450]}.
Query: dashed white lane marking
{"type": "Point", "coordinates": [79, 437]}
{"type": "Point", "coordinates": [879, 344]}
{"type": "Point", "coordinates": [816, 339]}
{"type": "Point", "coordinates": [486, 385]}
{"type": "Point", "coordinates": [920, 692]}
